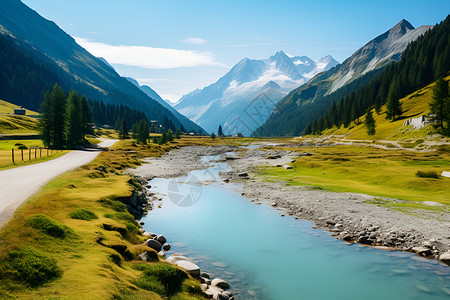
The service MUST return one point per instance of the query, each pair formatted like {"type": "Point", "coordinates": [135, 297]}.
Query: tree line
{"type": "Point", "coordinates": [65, 120]}
{"type": "Point", "coordinates": [424, 61]}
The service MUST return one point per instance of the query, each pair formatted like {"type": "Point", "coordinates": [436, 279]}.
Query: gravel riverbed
{"type": "Point", "coordinates": [348, 216]}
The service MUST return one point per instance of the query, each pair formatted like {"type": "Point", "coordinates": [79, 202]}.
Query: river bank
{"type": "Point", "coordinates": [348, 216]}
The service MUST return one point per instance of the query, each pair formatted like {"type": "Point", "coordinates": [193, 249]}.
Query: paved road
{"type": "Point", "coordinates": [18, 184]}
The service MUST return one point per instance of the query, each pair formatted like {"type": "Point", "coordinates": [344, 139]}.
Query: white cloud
{"type": "Point", "coordinates": [148, 57]}
{"type": "Point", "coordinates": [193, 40]}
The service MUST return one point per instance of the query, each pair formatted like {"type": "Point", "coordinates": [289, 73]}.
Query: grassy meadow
{"type": "Point", "coordinates": [413, 105]}
{"type": "Point", "coordinates": [369, 170]}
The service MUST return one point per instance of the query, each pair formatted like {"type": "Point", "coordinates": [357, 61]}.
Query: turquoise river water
{"type": "Point", "coordinates": [265, 256]}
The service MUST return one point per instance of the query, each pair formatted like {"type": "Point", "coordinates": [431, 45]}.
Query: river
{"type": "Point", "coordinates": [265, 256]}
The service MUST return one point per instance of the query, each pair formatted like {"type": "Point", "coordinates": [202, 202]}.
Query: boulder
{"type": "Point", "coordinates": [174, 258]}
{"type": "Point", "coordinates": [244, 174]}
{"type": "Point", "coordinates": [166, 247]}
{"type": "Point", "coordinates": [190, 267]}
{"type": "Point", "coordinates": [220, 283]}
{"type": "Point", "coordinates": [148, 256]}
{"type": "Point", "coordinates": [305, 154]}
{"type": "Point", "coordinates": [154, 244]}
{"type": "Point", "coordinates": [162, 239]}
{"type": "Point", "coordinates": [288, 167]}
{"type": "Point", "coordinates": [220, 296]}
{"type": "Point", "coordinates": [422, 251]}
{"type": "Point", "coordinates": [205, 275]}
{"type": "Point", "coordinates": [445, 257]}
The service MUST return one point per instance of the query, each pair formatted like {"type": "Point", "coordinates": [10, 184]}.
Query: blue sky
{"type": "Point", "coordinates": [178, 46]}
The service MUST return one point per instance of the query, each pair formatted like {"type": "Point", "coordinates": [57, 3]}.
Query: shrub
{"type": "Point", "coordinates": [135, 184]}
{"type": "Point", "coordinates": [160, 275]}
{"type": "Point", "coordinates": [116, 205]}
{"type": "Point", "coordinates": [49, 226]}
{"type": "Point", "coordinates": [124, 216]}
{"type": "Point", "coordinates": [427, 174]}
{"type": "Point", "coordinates": [83, 214]}
{"type": "Point", "coordinates": [33, 267]}
{"type": "Point", "coordinates": [191, 286]}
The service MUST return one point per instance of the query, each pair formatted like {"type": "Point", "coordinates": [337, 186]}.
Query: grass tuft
{"type": "Point", "coordinates": [163, 279]}
{"type": "Point", "coordinates": [83, 214]}
{"type": "Point", "coordinates": [427, 174]}
{"type": "Point", "coordinates": [33, 267]}
{"type": "Point", "coordinates": [50, 226]}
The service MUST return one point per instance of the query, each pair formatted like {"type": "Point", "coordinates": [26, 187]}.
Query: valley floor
{"type": "Point", "coordinates": [389, 223]}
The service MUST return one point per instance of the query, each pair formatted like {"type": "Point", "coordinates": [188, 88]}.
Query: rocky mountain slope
{"type": "Point", "coordinates": [304, 104]}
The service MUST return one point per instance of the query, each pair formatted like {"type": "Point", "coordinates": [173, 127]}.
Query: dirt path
{"type": "Point", "coordinates": [18, 184]}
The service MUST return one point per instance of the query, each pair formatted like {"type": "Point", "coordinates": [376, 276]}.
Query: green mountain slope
{"type": "Point", "coordinates": [424, 61]}
{"type": "Point", "coordinates": [311, 100]}
{"type": "Point", "coordinates": [75, 67]}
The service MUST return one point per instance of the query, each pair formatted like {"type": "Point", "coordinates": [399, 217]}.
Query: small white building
{"type": "Point", "coordinates": [418, 122]}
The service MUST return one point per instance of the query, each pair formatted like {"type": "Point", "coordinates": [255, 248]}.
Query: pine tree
{"type": "Point", "coordinates": [220, 132]}
{"type": "Point", "coordinates": [143, 130]}
{"type": "Point", "coordinates": [169, 135]}
{"type": "Point", "coordinates": [439, 103]}
{"type": "Point", "coordinates": [163, 138]}
{"type": "Point", "coordinates": [393, 106]}
{"type": "Point", "coordinates": [53, 119]}
{"type": "Point", "coordinates": [134, 130]}
{"type": "Point", "coordinates": [59, 117]}
{"type": "Point", "coordinates": [123, 130]}
{"type": "Point", "coordinates": [370, 123]}
{"type": "Point", "coordinates": [45, 122]}
{"type": "Point", "coordinates": [74, 124]}
{"type": "Point", "coordinates": [178, 134]}
{"type": "Point", "coordinates": [87, 116]}
{"type": "Point", "coordinates": [213, 136]}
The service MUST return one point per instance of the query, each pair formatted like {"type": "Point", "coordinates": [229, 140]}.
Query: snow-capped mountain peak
{"type": "Point", "coordinates": [249, 84]}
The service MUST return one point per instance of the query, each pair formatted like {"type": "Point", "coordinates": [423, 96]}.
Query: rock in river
{"type": "Point", "coordinates": [422, 251]}
{"type": "Point", "coordinates": [445, 257]}
{"type": "Point", "coordinates": [190, 267]}
{"type": "Point", "coordinates": [154, 244]}
{"type": "Point", "coordinates": [162, 239]}
{"type": "Point", "coordinates": [220, 283]}
{"type": "Point", "coordinates": [166, 247]}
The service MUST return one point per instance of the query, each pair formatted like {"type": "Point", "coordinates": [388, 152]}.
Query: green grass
{"type": "Point", "coordinates": [414, 105]}
{"type": "Point", "coordinates": [83, 214]}
{"type": "Point", "coordinates": [8, 108]}
{"type": "Point", "coordinates": [427, 174]}
{"type": "Point", "coordinates": [98, 263]}
{"type": "Point", "coordinates": [15, 124]}
{"type": "Point", "coordinates": [49, 226]}
{"type": "Point", "coordinates": [378, 172]}
{"type": "Point", "coordinates": [32, 266]}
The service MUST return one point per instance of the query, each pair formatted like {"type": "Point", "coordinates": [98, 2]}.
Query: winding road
{"type": "Point", "coordinates": [18, 184]}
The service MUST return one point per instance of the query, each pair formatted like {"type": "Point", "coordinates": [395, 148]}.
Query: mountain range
{"type": "Point", "coordinates": [307, 102]}
{"type": "Point", "coordinates": [77, 68]}
{"type": "Point", "coordinates": [244, 97]}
